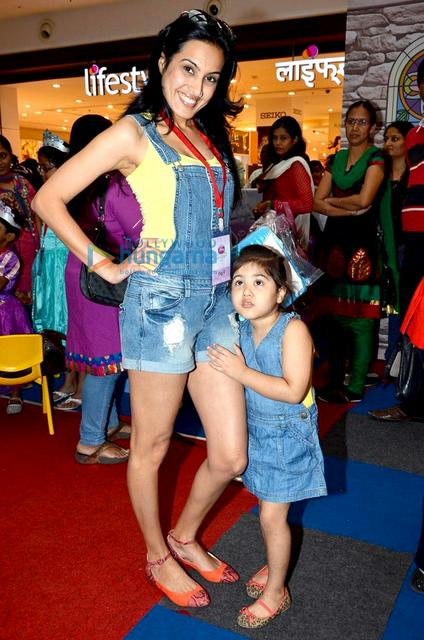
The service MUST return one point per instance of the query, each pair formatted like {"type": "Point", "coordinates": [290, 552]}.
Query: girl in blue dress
{"type": "Point", "coordinates": [274, 363]}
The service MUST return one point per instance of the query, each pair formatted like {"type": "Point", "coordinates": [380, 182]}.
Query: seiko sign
{"type": "Point", "coordinates": [98, 82]}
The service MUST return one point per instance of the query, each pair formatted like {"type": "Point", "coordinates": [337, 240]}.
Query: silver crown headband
{"type": "Point", "coordinates": [7, 215]}
{"type": "Point", "coordinates": [50, 139]}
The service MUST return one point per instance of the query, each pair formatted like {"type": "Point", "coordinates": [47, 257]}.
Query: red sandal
{"type": "Point", "coordinates": [222, 573]}
{"type": "Point", "coordinates": [197, 597]}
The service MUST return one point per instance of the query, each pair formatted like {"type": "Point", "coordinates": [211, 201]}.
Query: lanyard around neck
{"type": "Point", "coordinates": [219, 195]}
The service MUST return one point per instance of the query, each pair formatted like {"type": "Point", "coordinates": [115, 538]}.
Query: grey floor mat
{"type": "Point", "coordinates": [341, 588]}
{"type": "Point", "coordinates": [394, 445]}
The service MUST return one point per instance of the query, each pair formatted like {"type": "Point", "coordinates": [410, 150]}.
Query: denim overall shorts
{"type": "Point", "coordinates": [285, 461]}
{"type": "Point", "coordinates": [169, 318]}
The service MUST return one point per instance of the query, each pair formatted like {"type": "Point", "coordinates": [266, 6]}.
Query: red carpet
{"type": "Point", "coordinates": [72, 554]}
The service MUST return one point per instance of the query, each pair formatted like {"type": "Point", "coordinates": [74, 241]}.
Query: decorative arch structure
{"type": "Point", "coordinates": [403, 97]}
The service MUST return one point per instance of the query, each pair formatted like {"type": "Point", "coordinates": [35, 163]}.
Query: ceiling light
{"type": "Point", "coordinates": [65, 128]}
{"type": "Point", "coordinates": [292, 93]}
{"type": "Point", "coordinates": [313, 149]}
{"type": "Point", "coordinates": [325, 155]}
{"type": "Point", "coordinates": [322, 144]}
{"type": "Point", "coordinates": [38, 113]}
{"type": "Point", "coordinates": [254, 88]}
{"type": "Point", "coordinates": [66, 120]}
{"type": "Point", "coordinates": [248, 95]}
{"type": "Point", "coordinates": [27, 106]}
{"type": "Point", "coordinates": [110, 106]}
{"type": "Point", "coordinates": [56, 85]}
{"type": "Point", "coordinates": [59, 110]}
{"type": "Point", "coordinates": [24, 115]}
{"type": "Point", "coordinates": [247, 106]}
{"type": "Point", "coordinates": [78, 100]}
{"type": "Point", "coordinates": [330, 110]}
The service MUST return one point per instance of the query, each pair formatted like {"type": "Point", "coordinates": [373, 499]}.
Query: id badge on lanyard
{"type": "Point", "coordinates": [221, 259]}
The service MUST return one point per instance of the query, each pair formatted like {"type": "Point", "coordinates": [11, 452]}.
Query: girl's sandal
{"type": "Point", "coordinates": [249, 620]}
{"type": "Point", "coordinates": [14, 406]}
{"type": "Point", "coordinates": [222, 573]}
{"type": "Point", "coordinates": [255, 589]}
{"type": "Point", "coordinates": [197, 597]}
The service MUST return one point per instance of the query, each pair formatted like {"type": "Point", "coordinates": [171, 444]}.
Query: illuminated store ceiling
{"type": "Point", "coordinates": [56, 104]}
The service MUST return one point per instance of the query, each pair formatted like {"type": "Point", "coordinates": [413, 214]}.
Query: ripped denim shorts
{"type": "Point", "coordinates": [167, 322]}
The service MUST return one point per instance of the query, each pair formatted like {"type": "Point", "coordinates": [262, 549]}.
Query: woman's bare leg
{"type": "Point", "coordinates": [155, 399]}
{"type": "Point", "coordinates": [219, 402]}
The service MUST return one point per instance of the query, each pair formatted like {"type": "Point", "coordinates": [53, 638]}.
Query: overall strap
{"type": "Point", "coordinates": [168, 155]}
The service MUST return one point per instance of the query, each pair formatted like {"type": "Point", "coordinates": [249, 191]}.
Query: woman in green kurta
{"type": "Point", "coordinates": [349, 194]}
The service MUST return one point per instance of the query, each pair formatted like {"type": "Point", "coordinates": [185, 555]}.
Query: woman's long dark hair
{"type": "Point", "coordinates": [294, 130]}
{"type": "Point", "coordinates": [83, 131]}
{"type": "Point", "coordinates": [211, 119]}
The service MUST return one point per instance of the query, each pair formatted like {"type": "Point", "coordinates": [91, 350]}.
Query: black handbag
{"type": "Point", "coordinates": [93, 286]}
{"type": "Point", "coordinates": [54, 361]}
{"type": "Point", "coordinates": [410, 382]}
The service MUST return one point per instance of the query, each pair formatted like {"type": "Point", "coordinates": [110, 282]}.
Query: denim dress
{"type": "Point", "coordinates": [285, 461]}
{"type": "Point", "coordinates": [170, 317]}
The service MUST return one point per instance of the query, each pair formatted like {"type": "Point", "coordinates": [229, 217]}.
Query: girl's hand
{"type": "Point", "coordinates": [230, 364]}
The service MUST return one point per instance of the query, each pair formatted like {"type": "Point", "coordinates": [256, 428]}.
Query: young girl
{"type": "Point", "coordinates": [13, 317]}
{"type": "Point", "coordinates": [274, 363]}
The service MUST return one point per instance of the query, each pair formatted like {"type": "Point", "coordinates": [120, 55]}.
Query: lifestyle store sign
{"type": "Point", "coordinates": [99, 83]}
{"type": "Point", "coordinates": [306, 70]}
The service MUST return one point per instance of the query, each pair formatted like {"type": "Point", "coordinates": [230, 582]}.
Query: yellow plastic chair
{"type": "Point", "coordinates": [20, 362]}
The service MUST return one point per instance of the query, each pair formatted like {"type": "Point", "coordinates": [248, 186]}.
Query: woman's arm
{"type": "Point", "coordinates": [292, 187]}
{"type": "Point", "coordinates": [322, 197]}
{"type": "Point", "coordinates": [349, 205]}
{"type": "Point", "coordinates": [301, 197]}
{"type": "Point", "coordinates": [373, 179]}
{"type": "Point", "coordinates": [296, 362]}
{"type": "Point", "coordinates": [120, 147]}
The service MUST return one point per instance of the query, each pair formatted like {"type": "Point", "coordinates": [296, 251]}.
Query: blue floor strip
{"type": "Point", "coordinates": [380, 397]}
{"type": "Point", "coordinates": [162, 624]}
{"type": "Point", "coordinates": [366, 502]}
{"type": "Point", "coordinates": [406, 621]}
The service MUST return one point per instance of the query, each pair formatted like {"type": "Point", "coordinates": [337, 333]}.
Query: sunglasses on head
{"type": "Point", "coordinates": [196, 15]}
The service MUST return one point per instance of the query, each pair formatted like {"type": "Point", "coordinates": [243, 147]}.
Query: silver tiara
{"type": "Point", "coordinates": [50, 139]}
{"type": "Point", "coordinates": [7, 215]}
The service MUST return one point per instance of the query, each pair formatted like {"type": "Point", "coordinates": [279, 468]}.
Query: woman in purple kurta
{"type": "Point", "coordinates": [93, 343]}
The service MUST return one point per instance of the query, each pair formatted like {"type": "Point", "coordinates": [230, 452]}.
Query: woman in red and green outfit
{"type": "Point", "coordinates": [349, 194]}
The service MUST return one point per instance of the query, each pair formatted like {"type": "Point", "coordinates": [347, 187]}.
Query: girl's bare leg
{"type": "Point", "coordinates": [155, 399]}
{"type": "Point", "coordinates": [219, 401]}
{"type": "Point", "coordinates": [277, 537]}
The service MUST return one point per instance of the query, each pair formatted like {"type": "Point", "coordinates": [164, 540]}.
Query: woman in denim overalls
{"type": "Point", "coordinates": [285, 460]}
{"type": "Point", "coordinates": [173, 148]}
